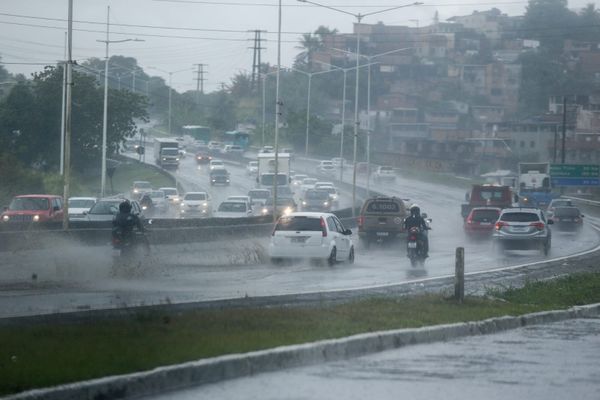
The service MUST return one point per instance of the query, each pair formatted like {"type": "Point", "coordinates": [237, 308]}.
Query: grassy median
{"type": "Point", "coordinates": [38, 356]}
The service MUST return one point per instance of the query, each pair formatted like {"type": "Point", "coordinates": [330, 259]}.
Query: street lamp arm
{"type": "Point", "coordinates": [120, 41]}
{"type": "Point", "coordinates": [331, 8]}
{"type": "Point", "coordinates": [390, 9]}
{"type": "Point", "coordinates": [391, 52]}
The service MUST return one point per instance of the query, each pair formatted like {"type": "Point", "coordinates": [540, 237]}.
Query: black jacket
{"type": "Point", "coordinates": [415, 221]}
{"type": "Point", "coordinates": [124, 224]}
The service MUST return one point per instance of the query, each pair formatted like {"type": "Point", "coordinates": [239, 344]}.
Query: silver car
{"type": "Point", "coordinates": [106, 209]}
{"type": "Point", "coordinates": [523, 228]}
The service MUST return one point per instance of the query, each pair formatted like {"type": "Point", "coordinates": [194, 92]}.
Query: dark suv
{"type": "Point", "coordinates": [381, 218]}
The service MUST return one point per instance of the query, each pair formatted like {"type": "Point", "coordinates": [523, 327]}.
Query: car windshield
{"type": "Point", "coordinates": [485, 215]}
{"type": "Point", "coordinates": [170, 192]}
{"type": "Point", "coordinates": [142, 185]}
{"type": "Point", "coordinates": [309, 181]}
{"type": "Point", "coordinates": [316, 195]}
{"type": "Point", "coordinates": [220, 171]}
{"type": "Point", "coordinates": [280, 202]}
{"type": "Point", "coordinates": [231, 206]}
{"type": "Point", "coordinates": [298, 223]}
{"type": "Point", "coordinates": [491, 194]}
{"type": "Point", "coordinates": [386, 169]}
{"type": "Point", "coordinates": [561, 203]}
{"type": "Point", "coordinates": [157, 194]}
{"type": "Point", "coordinates": [28, 204]}
{"type": "Point", "coordinates": [519, 217]}
{"type": "Point", "coordinates": [170, 152]}
{"type": "Point", "coordinates": [259, 194]}
{"type": "Point", "coordinates": [106, 207]}
{"type": "Point", "coordinates": [253, 164]}
{"type": "Point", "coordinates": [567, 212]}
{"type": "Point", "coordinates": [195, 196]}
{"type": "Point", "coordinates": [327, 189]}
{"type": "Point", "coordinates": [81, 203]}
{"type": "Point", "coordinates": [383, 206]}
{"type": "Point", "coordinates": [214, 163]}
{"type": "Point", "coordinates": [267, 179]}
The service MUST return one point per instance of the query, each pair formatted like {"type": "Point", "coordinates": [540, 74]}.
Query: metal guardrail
{"type": "Point", "coordinates": [584, 201]}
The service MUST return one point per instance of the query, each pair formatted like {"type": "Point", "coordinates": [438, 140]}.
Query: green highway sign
{"type": "Point", "coordinates": [574, 171]}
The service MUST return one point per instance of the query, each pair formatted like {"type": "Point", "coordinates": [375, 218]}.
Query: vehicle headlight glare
{"type": "Point", "coordinates": [5, 218]}
{"type": "Point", "coordinates": [326, 203]}
{"type": "Point", "coordinates": [36, 218]}
{"type": "Point", "coordinates": [264, 211]}
{"type": "Point", "coordinates": [204, 204]}
{"type": "Point", "coordinates": [303, 203]}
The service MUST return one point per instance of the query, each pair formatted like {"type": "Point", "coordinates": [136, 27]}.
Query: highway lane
{"type": "Point", "coordinates": [195, 280]}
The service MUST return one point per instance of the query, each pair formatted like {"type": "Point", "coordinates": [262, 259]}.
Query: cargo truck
{"type": "Point", "coordinates": [166, 153]}
{"type": "Point", "coordinates": [266, 170]}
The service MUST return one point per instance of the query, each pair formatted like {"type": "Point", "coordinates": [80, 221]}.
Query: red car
{"type": "Point", "coordinates": [481, 220]}
{"type": "Point", "coordinates": [203, 158]}
{"type": "Point", "coordinates": [34, 208]}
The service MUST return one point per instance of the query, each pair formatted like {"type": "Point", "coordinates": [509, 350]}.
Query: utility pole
{"type": "Point", "coordinates": [133, 81]}
{"type": "Point", "coordinates": [62, 113]}
{"type": "Point", "coordinates": [67, 172]}
{"type": "Point", "coordinates": [256, 58]}
{"type": "Point", "coordinates": [199, 80]}
{"type": "Point", "coordinates": [564, 129]}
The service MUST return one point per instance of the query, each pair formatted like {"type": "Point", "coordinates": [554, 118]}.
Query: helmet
{"type": "Point", "coordinates": [125, 207]}
{"type": "Point", "coordinates": [415, 211]}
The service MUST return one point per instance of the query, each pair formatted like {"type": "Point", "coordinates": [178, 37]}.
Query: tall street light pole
{"type": "Point", "coordinates": [369, 130]}
{"type": "Point", "coordinates": [309, 75]}
{"type": "Point", "coordinates": [277, 112]}
{"type": "Point", "coordinates": [264, 100]}
{"type": "Point", "coordinates": [105, 113]}
{"type": "Point", "coordinates": [359, 18]}
{"type": "Point", "coordinates": [345, 71]}
{"type": "Point", "coordinates": [170, 90]}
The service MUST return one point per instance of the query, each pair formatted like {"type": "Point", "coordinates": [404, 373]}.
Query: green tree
{"type": "Point", "coordinates": [550, 22]}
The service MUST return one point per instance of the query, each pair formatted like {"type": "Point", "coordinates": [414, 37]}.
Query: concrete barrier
{"type": "Point", "coordinates": [238, 365]}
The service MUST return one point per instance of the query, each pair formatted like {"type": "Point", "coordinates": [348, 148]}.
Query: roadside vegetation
{"type": "Point", "coordinates": [40, 355]}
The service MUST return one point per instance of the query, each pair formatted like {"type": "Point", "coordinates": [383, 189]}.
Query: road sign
{"type": "Point", "coordinates": [575, 181]}
{"type": "Point", "coordinates": [575, 171]}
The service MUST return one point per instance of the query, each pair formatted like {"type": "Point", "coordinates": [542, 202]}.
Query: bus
{"type": "Point", "coordinates": [198, 132]}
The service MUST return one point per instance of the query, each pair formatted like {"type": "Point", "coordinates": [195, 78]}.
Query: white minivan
{"type": "Point", "coordinates": [311, 235]}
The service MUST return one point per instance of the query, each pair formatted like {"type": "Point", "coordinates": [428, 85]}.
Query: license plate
{"type": "Point", "coordinates": [383, 233]}
{"type": "Point", "coordinates": [485, 223]}
{"type": "Point", "coordinates": [519, 229]}
{"type": "Point", "coordinates": [412, 245]}
{"type": "Point", "coordinates": [298, 240]}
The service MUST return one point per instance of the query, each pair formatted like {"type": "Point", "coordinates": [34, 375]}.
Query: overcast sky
{"type": "Point", "coordinates": [212, 32]}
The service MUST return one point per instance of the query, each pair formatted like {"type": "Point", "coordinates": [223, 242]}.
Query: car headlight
{"type": "Point", "coordinates": [287, 211]}
{"type": "Point", "coordinates": [136, 191]}
{"type": "Point", "coordinates": [264, 211]}
{"type": "Point", "coordinates": [36, 218]}
{"type": "Point", "coordinates": [214, 180]}
{"type": "Point", "coordinates": [164, 159]}
{"type": "Point", "coordinates": [5, 218]}
{"type": "Point", "coordinates": [177, 159]}
{"type": "Point", "coordinates": [334, 197]}
{"type": "Point", "coordinates": [182, 204]}
{"type": "Point", "coordinates": [204, 204]}
{"type": "Point", "coordinates": [227, 180]}
{"type": "Point", "coordinates": [303, 203]}
{"type": "Point", "coordinates": [326, 203]}
{"type": "Point", "coordinates": [183, 211]}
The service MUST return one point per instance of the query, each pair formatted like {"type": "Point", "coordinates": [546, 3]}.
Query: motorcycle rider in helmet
{"type": "Point", "coordinates": [416, 220]}
{"type": "Point", "coordinates": [125, 222]}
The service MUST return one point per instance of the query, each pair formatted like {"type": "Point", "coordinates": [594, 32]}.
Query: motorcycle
{"type": "Point", "coordinates": [415, 247]}
{"type": "Point", "coordinates": [130, 251]}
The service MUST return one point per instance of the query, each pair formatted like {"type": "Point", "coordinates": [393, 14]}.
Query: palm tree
{"type": "Point", "coordinates": [309, 44]}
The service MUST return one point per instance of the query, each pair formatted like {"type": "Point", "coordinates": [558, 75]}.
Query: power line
{"type": "Point", "coordinates": [271, 5]}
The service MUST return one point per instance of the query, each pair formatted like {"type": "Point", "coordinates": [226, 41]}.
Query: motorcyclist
{"type": "Point", "coordinates": [125, 222]}
{"type": "Point", "coordinates": [146, 201]}
{"type": "Point", "coordinates": [416, 220]}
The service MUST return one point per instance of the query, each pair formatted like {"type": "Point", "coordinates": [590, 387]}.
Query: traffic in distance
{"type": "Point", "coordinates": [513, 213]}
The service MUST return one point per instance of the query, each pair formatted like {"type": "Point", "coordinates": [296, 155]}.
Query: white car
{"type": "Point", "coordinates": [245, 199]}
{"type": "Point", "coordinates": [297, 179]}
{"type": "Point", "coordinates": [216, 164]}
{"type": "Point", "coordinates": [233, 209]}
{"type": "Point", "coordinates": [319, 185]}
{"type": "Point", "coordinates": [326, 167]}
{"type": "Point", "coordinates": [172, 194]}
{"type": "Point", "coordinates": [334, 195]}
{"type": "Point", "coordinates": [232, 149]}
{"type": "Point", "coordinates": [214, 145]}
{"type": "Point", "coordinates": [267, 149]}
{"type": "Point", "coordinates": [259, 196]}
{"type": "Point", "coordinates": [159, 200]}
{"type": "Point", "coordinates": [385, 173]}
{"type": "Point", "coordinates": [337, 162]}
{"type": "Point", "coordinates": [252, 168]}
{"type": "Point", "coordinates": [307, 183]}
{"type": "Point", "coordinates": [79, 207]}
{"type": "Point", "coordinates": [311, 235]}
{"type": "Point", "coordinates": [195, 204]}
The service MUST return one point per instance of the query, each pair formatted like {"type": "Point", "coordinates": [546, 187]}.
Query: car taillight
{"type": "Point", "coordinates": [323, 227]}
{"type": "Point", "coordinates": [500, 224]}
{"type": "Point", "coordinates": [470, 220]}
{"type": "Point", "coordinates": [361, 221]}
{"type": "Point", "coordinates": [538, 225]}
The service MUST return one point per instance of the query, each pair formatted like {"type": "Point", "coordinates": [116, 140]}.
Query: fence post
{"type": "Point", "coordinates": [459, 275]}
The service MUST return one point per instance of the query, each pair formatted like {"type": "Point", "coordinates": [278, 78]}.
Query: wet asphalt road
{"type": "Point", "coordinates": [542, 362]}
{"type": "Point", "coordinates": [204, 271]}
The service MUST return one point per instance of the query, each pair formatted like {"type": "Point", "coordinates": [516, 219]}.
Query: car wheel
{"type": "Point", "coordinates": [332, 257]}
{"type": "Point", "coordinates": [351, 256]}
